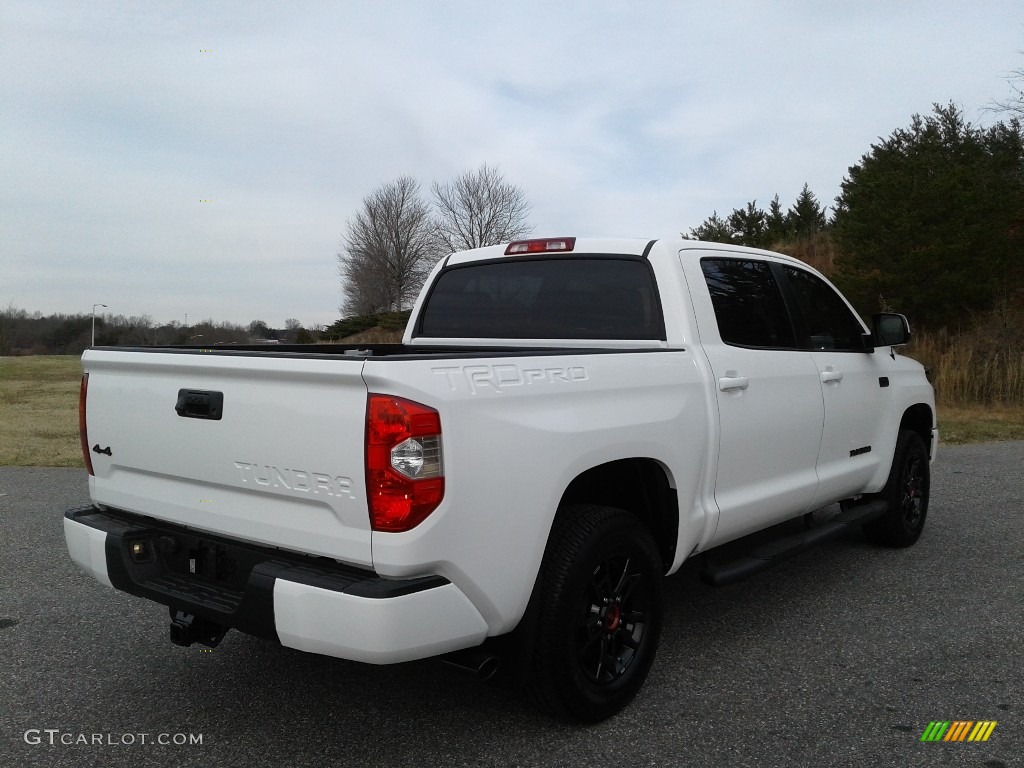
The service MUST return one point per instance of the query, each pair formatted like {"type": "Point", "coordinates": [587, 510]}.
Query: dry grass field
{"type": "Point", "coordinates": [970, 423]}
{"type": "Point", "coordinates": [39, 408]}
{"type": "Point", "coordinates": [979, 383]}
{"type": "Point", "coordinates": [39, 411]}
{"type": "Point", "coordinates": [972, 368]}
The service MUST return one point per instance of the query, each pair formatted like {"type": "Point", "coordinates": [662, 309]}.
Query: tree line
{"type": "Point", "coordinates": [753, 226]}
{"type": "Point", "coordinates": [929, 222]}
{"type": "Point", "coordinates": [25, 333]}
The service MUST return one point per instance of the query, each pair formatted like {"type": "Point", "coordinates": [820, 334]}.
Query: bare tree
{"type": "Point", "coordinates": [479, 208]}
{"type": "Point", "coordinates": [1015, 104]}
{"type": "Point", "coordinates": [387, 250]}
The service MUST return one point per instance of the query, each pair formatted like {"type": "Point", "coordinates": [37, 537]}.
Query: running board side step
{"type": "Point", "coordinates": [770, 553]}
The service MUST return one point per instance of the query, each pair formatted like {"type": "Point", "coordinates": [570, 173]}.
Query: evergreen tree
{"type": "Point", "coordinates": [749, 225]}
{"type": "Point", "coordinates": [806, 216]}
{"type": "Point", "coordinates": [931, 221]}
{"type": "Point", "coordinates": [776, 229]}
{"type": "Point", "coordinates": [713, 229]}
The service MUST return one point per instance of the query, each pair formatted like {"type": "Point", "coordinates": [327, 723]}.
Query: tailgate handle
{"type": "Point", "coordinates": [199, 404]}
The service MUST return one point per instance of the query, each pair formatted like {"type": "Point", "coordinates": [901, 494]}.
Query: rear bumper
{"type": "Point", "coordinates": [308, 603]}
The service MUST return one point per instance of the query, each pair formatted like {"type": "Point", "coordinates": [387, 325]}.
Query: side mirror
{"type": "Point", "coordinates": [890, 329]}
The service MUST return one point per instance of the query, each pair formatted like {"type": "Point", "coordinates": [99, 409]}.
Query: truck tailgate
{"type": "Point", "coordinates": [280, 462]}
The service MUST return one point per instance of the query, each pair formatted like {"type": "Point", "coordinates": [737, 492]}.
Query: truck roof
{"type": "Point", "coordinates": [587, 245]}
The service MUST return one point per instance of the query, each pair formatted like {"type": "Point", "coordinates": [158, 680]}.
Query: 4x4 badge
{"type": "Point", "coordinates": [96, 449]}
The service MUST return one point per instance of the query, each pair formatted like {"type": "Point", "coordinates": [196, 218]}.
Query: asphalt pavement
{"type": "Point", "coordinates": [839, 657]}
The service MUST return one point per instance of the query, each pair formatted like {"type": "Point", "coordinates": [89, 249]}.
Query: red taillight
{"type": "Point", "coordinates": [541, 245]}
{"type": "Point", "coordinates": [83, 435]}
{"type": "Point", "coordinates": [404, 471]}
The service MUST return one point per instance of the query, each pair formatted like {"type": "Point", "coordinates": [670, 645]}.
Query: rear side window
{"type": "Point", "coordinates": [748, 304]}
{"type": "Point", "coordinates": [564, 298]}
{"type": "Point", "coordinates": [827, 322]}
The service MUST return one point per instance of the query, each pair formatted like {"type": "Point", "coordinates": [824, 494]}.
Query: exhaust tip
{"type": "Point", "coordinates": [488, 668]}
{"type": "Point", "coordinates": [480, 663]}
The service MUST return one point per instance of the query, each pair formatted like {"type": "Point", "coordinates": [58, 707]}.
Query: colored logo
{"type": "Point", "coordinates": [959, 730]}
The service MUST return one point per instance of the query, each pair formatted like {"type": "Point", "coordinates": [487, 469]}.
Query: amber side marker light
{"type": "Point", "coordinates": [83, 433]}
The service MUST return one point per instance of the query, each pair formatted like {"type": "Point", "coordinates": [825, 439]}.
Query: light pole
{"type": "Point", "coordinates": [94, 322]}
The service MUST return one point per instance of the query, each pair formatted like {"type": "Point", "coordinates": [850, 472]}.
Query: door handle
{"type": "Point", "coordinates": [732, 381]}
{"type": "Point", "coordinates": [830, 374]}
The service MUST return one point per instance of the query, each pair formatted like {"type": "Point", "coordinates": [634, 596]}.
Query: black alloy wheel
{"type": "Point", "coordinates": [906, 493]}
{"type": "Point", "coordinates": [613, 619]}
{"type": "Point", "coordinates": [599, 613]}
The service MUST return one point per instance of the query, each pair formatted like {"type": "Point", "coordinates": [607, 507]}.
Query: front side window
{"type": "Point", "coordinates": [555, 298]}
{"type": "Point", "coordinates": [748, 304]}
{"type": "Point", "coordinates": [827, 323]}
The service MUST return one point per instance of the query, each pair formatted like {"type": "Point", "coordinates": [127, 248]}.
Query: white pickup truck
{"type": "Point", "coordinates": [565, 423]}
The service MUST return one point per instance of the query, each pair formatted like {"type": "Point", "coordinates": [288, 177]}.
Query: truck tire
{"type": "Point", "coordinates": [599, 616]}
{"type": "Point", "coordinates": [906, 493]}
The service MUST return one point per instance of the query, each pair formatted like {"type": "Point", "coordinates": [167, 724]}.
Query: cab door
{"type": "Point", "coordinates": [853, 379]}
{"type": "Point", "coordinates": [767, 390]}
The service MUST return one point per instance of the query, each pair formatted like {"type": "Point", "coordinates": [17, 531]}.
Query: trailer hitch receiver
{"type": "Point", "coordinates": [187, 628]}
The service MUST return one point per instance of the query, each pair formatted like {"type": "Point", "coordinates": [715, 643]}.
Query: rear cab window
{"type": "Point", "coordinates": [578, 297]}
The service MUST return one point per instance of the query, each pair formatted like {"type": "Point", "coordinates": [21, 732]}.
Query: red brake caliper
{"type": "Point", "coordinates": [612, 618]}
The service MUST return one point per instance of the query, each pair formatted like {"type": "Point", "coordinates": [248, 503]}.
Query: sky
{"type": "Point", "coordinates": [201, 159]}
